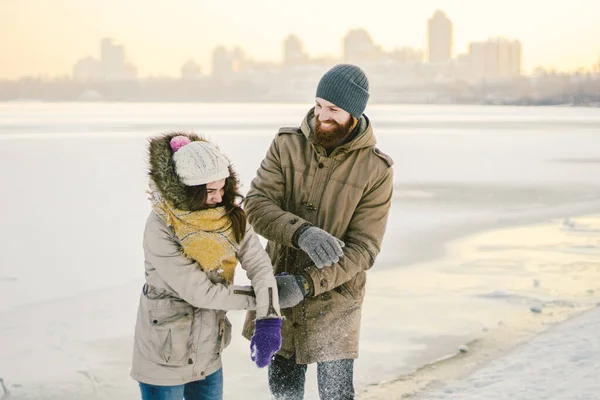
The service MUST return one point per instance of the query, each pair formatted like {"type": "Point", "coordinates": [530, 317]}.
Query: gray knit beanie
{"type": "Point", "coordinates": [199, 162]}
{"type": "Point", "coordinates": [347, 87]}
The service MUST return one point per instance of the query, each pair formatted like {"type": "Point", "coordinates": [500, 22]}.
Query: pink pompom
{"type": "Point", "coordinates": [178, 142]}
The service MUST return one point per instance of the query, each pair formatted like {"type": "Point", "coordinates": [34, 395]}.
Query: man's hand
{"type": "Point", "coordinates": [291, 290]}
{"type": "Point", "coordinates": [322, 248]}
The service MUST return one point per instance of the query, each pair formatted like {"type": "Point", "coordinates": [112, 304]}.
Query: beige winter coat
{"type": "Point", "coordinates": [348, 194]}
{"type": "Point", "coordinates": [181, 326]}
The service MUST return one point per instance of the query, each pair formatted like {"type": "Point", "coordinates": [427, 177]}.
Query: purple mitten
{"type": "Point", "coordinates": [266, 341]}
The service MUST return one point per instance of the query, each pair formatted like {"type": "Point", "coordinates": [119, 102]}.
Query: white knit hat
{"type": "Point", "coordinates": [199, 163]}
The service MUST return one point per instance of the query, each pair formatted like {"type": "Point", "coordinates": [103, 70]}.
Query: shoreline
{"type": "Point", "coordinates": [440, 240]}
{"type": "Point", "coordinates": [458, 366]}
{"type": "Point", "coordinates": [518, 325]}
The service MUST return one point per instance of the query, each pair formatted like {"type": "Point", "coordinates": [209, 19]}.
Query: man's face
{"type": "Point", "coordinates": [214, 193]}
{"type": "Point", "coordinates": [332, 124]}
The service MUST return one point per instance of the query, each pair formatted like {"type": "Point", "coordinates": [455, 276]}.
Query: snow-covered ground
{"type": "Point", "coordinates": [560, 364]}
{"type": "Point", "coordinates": [563, 363]}
{"type": "Point", "coordinates": [495, 211]}
{"type": "Point", "coordinates": [553, 275]}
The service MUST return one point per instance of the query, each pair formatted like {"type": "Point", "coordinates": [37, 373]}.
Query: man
{"type": "Point", "coordinates": [321, 197]}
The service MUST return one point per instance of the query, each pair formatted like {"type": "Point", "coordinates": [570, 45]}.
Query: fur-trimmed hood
{"type": "Point", "coordinates": [162, 170]}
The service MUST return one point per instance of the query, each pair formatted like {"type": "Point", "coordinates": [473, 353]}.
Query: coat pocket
{"type": "Point", "coordinates": [345, 291]}
{"type": "Point", "coordinates": [170, 331]}
{"type": "Point", "coordinates": [224, 337]}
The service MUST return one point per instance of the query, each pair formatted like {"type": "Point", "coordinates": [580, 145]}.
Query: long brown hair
{"type": "Point", "coordinates": [232, 200]}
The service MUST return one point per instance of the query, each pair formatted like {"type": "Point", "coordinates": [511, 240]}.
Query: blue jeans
{"type": "Point", "coordinates": [210, 388]}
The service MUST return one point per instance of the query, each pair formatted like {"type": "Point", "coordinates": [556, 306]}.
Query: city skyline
{"type": "Point", "coordinates": [496, 58]}
{"type": "Point", "coordinates": [165, 49]}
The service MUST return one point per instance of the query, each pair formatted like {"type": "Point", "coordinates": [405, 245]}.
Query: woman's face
{"type": "Point", "coordinates": [214, 193]}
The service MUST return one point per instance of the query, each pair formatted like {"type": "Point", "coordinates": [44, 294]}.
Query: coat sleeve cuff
{"type": "Point", "coordinates": [291, 230]}
{"type": "Point", "coordinates": [298, 232]}
{"type": "Point", "coordinates": [314, 279]}
{"type": "Point", "coordinates": [307, 284]}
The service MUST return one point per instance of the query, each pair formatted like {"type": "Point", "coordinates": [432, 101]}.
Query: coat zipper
{"type": "Point", "coordinates": [271, 309]}
{"type": "Point", "coordinates": [174, 318]}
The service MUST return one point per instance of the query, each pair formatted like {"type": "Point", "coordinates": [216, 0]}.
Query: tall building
{"type": "Point", "coordinates": [222, 62]}
{"type": "Point", "coordinates": [110, 67]}
{"type": "Point", "coordinates": [510, 57]}
{"type": "Point", "coordinates": [225, 63]}
{"type": "Point", "coordinates": [239, 60]}
{"type": "Point", "coordinates": [495, 59]}
{"type": "Point", "coordinates": [112, 58]}
{"type": "Point", "coordinates": [439, 38]}
{"type": "Point", "coordinates": [359, 47]}
{"type": "Point", "coordinates": [293, 52]}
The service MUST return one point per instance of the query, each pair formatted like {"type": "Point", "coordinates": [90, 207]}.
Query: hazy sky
{"type": "Point", "coordinates": [49, 36]}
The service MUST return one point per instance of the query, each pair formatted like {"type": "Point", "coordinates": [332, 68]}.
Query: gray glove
{"type": "Point", "coordinates": [322, 248]}
{"type": "Point", "coordinates": [291, 290]}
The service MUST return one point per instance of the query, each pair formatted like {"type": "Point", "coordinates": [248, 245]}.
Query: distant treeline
{"type": "Point", "coordinates": [549, 90]}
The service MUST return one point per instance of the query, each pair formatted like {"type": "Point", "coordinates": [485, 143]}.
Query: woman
{"type": "Point", "coordinates": [194, 237]}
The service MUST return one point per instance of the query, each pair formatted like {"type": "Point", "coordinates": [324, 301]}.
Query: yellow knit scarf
{"type": "Point", "coordinates": [206, 236]}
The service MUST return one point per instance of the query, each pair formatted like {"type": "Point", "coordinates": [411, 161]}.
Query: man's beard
{"type": "Point", "coordinates": [334, 134]}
